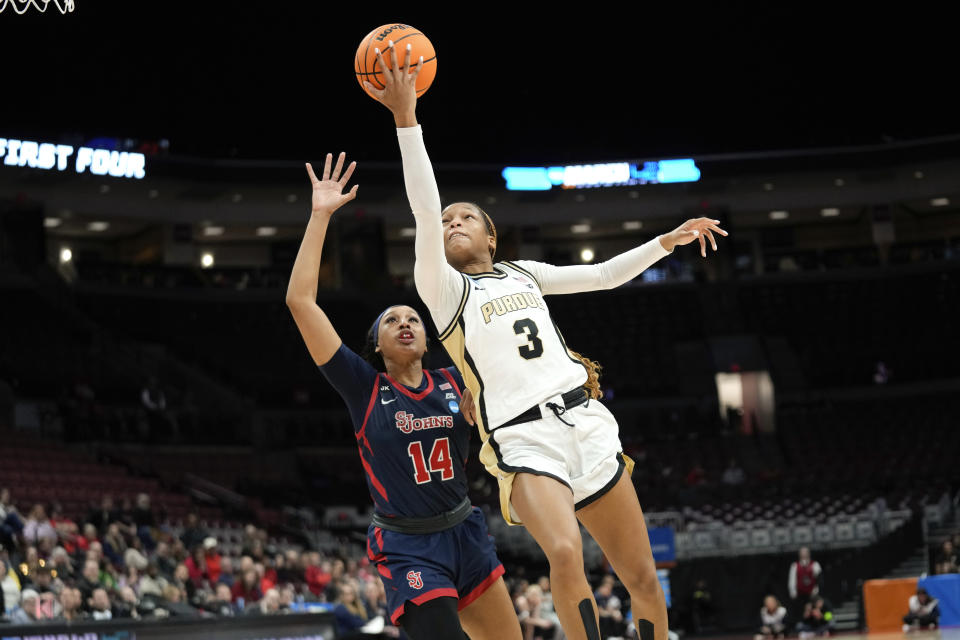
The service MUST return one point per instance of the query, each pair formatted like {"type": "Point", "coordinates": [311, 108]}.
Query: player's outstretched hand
{"type": "Point", "coordinates": [400, 83]}
{"type": "Point", "coordinates": [328, 195]}
{"type": "Point", "coordinates": [694, 229]}
{"type": "Point", "coordinates": [468, 407]}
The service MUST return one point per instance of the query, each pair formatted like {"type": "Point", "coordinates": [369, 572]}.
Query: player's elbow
{"type": "Point", "coordinates": [295, 302]}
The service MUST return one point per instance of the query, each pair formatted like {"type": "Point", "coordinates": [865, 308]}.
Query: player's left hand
{"type": "Point", "coordinates": [694, 229]}
{"type": "Point", "coordinates": [468, 407]}
{"type": "Point", "coordinates": [328, 195]}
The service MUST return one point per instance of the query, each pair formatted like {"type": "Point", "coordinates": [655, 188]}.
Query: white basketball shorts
{"type": "Point", "coordinates": [579, 448]}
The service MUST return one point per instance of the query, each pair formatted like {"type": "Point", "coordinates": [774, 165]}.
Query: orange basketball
{"type": "Point", "coordinates": [367, 67]}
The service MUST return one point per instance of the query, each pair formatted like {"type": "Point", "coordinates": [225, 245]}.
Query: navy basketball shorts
{"type": "Point", "coordinates": [459, 562]}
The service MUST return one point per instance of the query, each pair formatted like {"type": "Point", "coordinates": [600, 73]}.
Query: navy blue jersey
{"type": "Point", "coordinates": [413, 442]}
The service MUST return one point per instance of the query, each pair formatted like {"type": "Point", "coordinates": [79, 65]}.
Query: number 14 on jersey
{"type": "Point", "coordinates": [440, 461]}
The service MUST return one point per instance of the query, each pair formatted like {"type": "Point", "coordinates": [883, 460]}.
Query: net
{"type": "Point", "coordinates": [22, 6]}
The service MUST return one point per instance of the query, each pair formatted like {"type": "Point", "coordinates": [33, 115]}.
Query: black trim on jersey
{"type": "Point", "coordinates": [481, 402]}
{"type": "Point", "coordinates": [506, 467]}
{"type": "Point", "coordinates": [603, 490]}
{"type": "Point", "coordinates": [463, 303]}
{"type": "Point", "coordinates": [524, 272]}
{"type": "Point", "coordinates": [566, 349]}
{"type": "Point", "coordinates": [496, 273]}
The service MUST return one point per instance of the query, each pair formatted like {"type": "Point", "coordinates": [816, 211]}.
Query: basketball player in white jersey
{"type": "Point", "coordinates": [552, 446]}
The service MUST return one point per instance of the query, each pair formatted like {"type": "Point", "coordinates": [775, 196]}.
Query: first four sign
{"type": "Point", "coordinates": [44, 155]}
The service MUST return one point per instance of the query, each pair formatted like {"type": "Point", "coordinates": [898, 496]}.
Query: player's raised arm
{"type": "Point", "coordinates": [626, 266]}
{"type": "Point", "coordinates": [318, 333]}
{"type": "Point", "coordinates": [436, 281]}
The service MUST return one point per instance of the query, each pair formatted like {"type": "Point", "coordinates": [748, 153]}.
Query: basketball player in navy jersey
{"type": "Point", "coordinates": [430, 546]}
{"type": "Point", "coordinates": [553, 447]}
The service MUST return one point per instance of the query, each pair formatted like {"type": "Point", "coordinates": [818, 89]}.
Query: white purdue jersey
{"type": "Point", "coordinates": [505, 344]}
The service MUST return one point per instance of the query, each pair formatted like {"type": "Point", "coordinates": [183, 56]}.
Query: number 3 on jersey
{"type": "Point", "coordinates": [440, 461]}
{"type": "Point", "coordinates": [535, 348]}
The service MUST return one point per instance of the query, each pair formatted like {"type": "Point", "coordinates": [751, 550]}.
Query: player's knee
{"type": "Point", "coordinates": [641, 581]}
{"type": "Point", "coordinates": [565, 554]}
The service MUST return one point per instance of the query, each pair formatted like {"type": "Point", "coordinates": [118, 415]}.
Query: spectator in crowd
{"type": "Point", "coordinates": [144, 520]}
{"type": "Point", "coordinates": [99, 605]}
{"type": "Point", "coordinates": [104, 514]}
{"type": "Point", "coordinates": [126, 515]}
{"type": "Point", "coordinates": [269, 604]}
{"type": "Point", "coordinates": [193, 534]}
{"type": "Point", "coordinates": [130, 579]}
{"type": "Point", "coordinates": [520, 605]}
{"type": "Point", "coordinates": [89, 535]}
{"type": "Point", "coordinates": [817, 618]}
{"type": "Point", "coordinates": [288, 596]}
{"type": "Point", "coordinates": [71, 605]}
{"type": "Point", "coordinates": [60, 562]}
{"type": "Point", "coordinates": [89, 579]}
{"type": "Point", "coordinates": [9, 587]}
{"type": "Point", "coordinates": [212, 559]}
{"type": "Point", "coordinates": [772, 620]}
{"type": "Point", "coordinates": [38, 527]}
{"type": "Point", "coordinates": [196, 566]}
{"type": "Point", "coordinates": [547, 610]}
{"type": "Point", "coordinates": [535, 625]}
{"type": "Point", "coordinates": [27, 613]}
{"type": "Point", "coordinates": [316, 575]}
{"type": "Point", "coordinates": [733, 475]}
{"type": "Point", "coordinates": [133, 556]}
{"type": "Point", "coordinates": [127, 606]}
{"type": "Point", "coordinates": [114, 544]}
{"type": "Point", "coordinates": [923, 611]}
{"type": "Point", "coordinates": [803, 580]}
{"type": "Point", "coordinates": [247, 589]}
{"type": "Point", "coordinates": [222, 603]}
{"type": "Point", "coordinates": [349, 611]}
{"type": "Point", "coordinates": [374, 598]}
{"type": "Point", "coordinates": [226, 572]}
{"type": "Point", "coordinates": [28, 566]}
{"type": "Point", "coordinates": [164, 560]}
{"type": "Point", "coordinates": [152, 583]}
{"type": "Point", "coordinates": [181, 580]}
{"type": "Point", "coordinates": [292, 570]}
{"type": "Point", "coordinates": [174, 602]}
{"type": "Point", "coordinates": [946, 559]}
{"type": "Point", "coordinates": [11, 525]}
{"type": "Point", "coordinates": [609, 609]}
{"type": "Point", "coordinates": [42, 581]}
{"type": "Point", "coordinates": [702, 607]}
{"type": "Point", "coordinates": [67, 530]}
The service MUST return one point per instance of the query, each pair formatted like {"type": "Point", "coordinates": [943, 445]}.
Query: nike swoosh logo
{"type": "Point", "coordinates": [382, 401]}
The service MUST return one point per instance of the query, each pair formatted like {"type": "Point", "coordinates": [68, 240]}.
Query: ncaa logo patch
{"type": "Point", "coordinates": [454, 407]}
{"type": "Point", "coordinates": [414, 579]}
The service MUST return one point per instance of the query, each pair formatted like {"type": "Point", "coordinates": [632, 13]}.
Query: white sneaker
{"type": "Point", "coordinates": [906, 628]}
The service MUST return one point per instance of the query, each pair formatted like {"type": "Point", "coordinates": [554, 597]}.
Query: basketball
{"type": "Point", "coordinates": [367, 68]}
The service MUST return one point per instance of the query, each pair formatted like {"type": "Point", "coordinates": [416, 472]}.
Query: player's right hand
{"type": "Point", "coordinates": [400, 84]}
{"type": "Point", "coordinates": [468, 407]}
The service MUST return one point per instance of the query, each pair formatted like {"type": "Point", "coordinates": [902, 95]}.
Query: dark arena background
{"type": "Point", "coordinates": [164, 431]}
